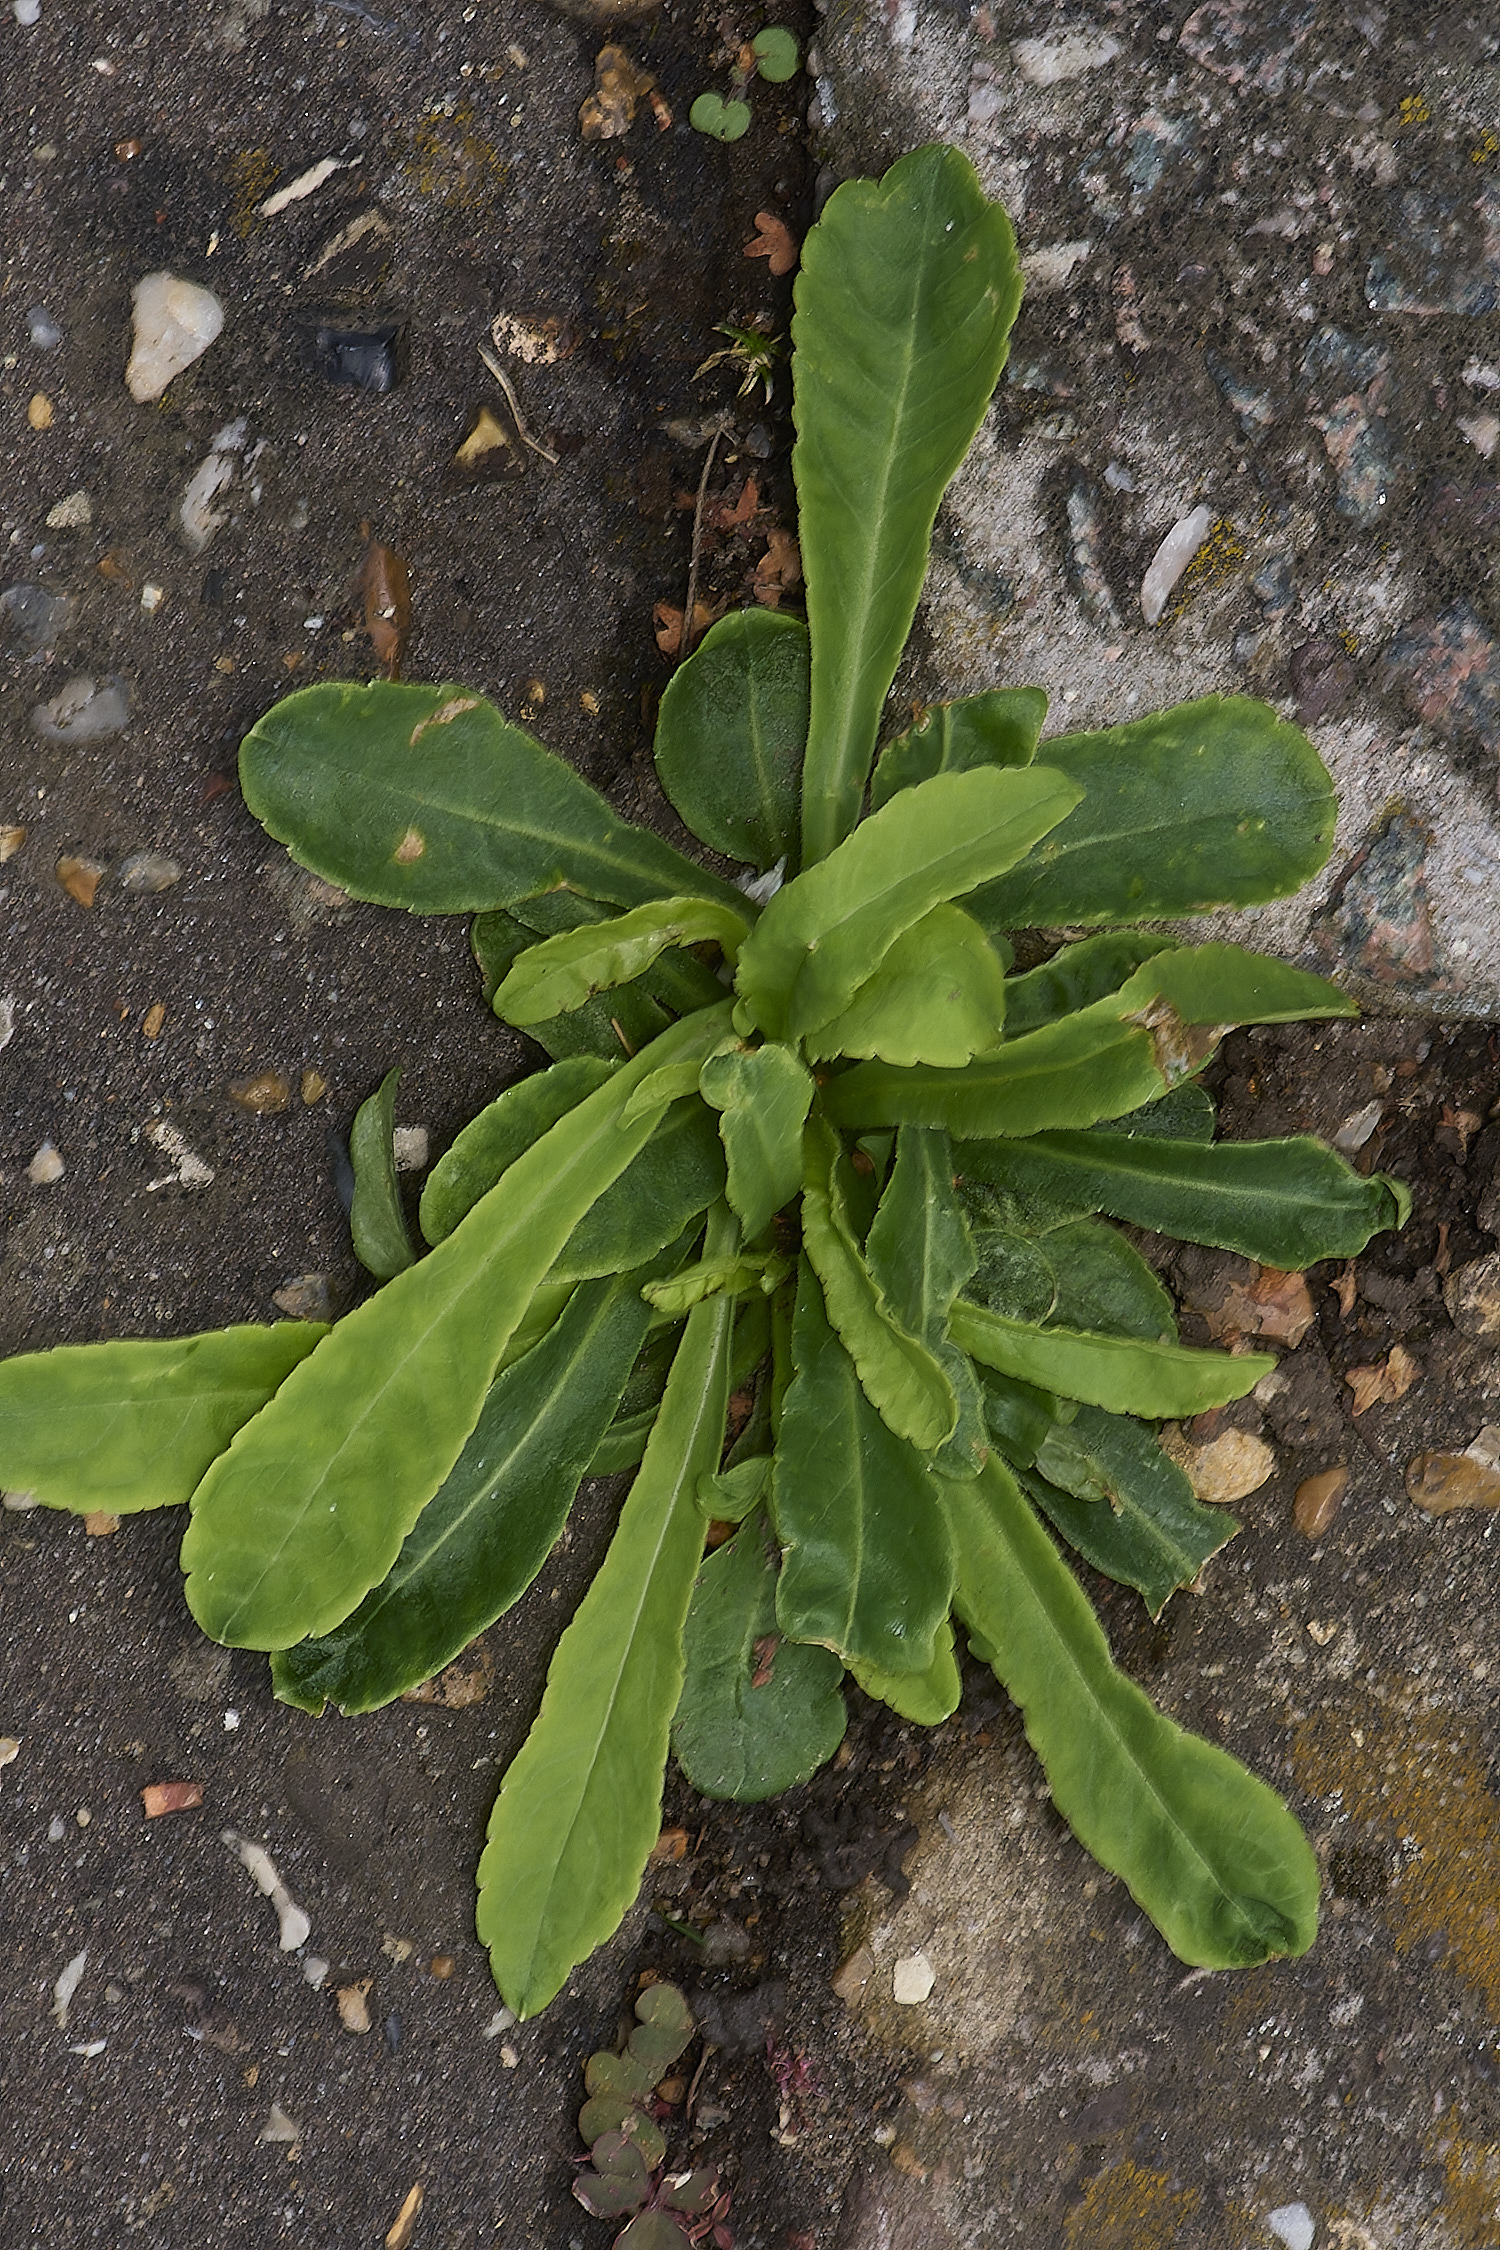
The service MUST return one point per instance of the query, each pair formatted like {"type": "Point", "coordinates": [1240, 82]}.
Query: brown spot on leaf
{"type": "Point", "coordinates": [1181, 1048]}
{"type": "Point", "coordinates": [410, 848]}
{"type": "Point", "coordinates": [443, 716]}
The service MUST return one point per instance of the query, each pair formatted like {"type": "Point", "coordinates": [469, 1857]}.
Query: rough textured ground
{"type": "Point", "coordinates": [1064, 2084]}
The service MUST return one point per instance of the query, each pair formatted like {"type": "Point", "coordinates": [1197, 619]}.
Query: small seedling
{"type": "Point", "coordinates": [621, 2122]}
{"type": "Point", "coordinates": [807, 1142]}
{"type": "Point", "coordinates": [751, 353]}
{"type": "Point", "coordinates": [773, 54]}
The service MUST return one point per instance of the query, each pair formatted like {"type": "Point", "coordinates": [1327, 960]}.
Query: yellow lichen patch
{"type": "Point", "coordinates": [1129, 2208]}
{"type": "Point", "coordinates": [1419, 1775]}
{"type": "Point", "coordinates": [447, 159]}
{"type": "Point", "coordinates": [1472, 2202]}
{"type": "Point", "coordinates": [1217, 559]}
{"type": "Point", "coordinates": [252, 172]}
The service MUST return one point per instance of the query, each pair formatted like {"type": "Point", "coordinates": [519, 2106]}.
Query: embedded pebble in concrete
{"type": "Point", "coordinates": [1171, 560]}
{"type": "Point", "coordinates": [175, 321]}
{"type": "Point", "coordinates": [1472, 1296]}
{"type": "Point", "coordinates": [74, 512]}
{"type": "Point", "coordinates": [1293, 2225]}
{"type": "Point", "coordinates": [147, 872]}
{"type": "Point", "coordinates": [1227, 1468]}
{"type": "Point", "coordinates": [34, 620]}
{"type": "Point", "coordinates": [46, 1167]}
{"type": "Point", "coordinates": [1318, 1502]}
{"type": "Point", "coordinates": [85, 710]}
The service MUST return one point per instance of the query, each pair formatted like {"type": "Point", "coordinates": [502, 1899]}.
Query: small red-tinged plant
{"type": "Point", "coordinates": [627, 2162]}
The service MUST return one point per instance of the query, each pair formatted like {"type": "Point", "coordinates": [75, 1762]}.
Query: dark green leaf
{"type": "Point", "coordinates": [377, 1222]}
{"type": "Point", "coordinates": [1119, 1372]}
{"type": "Point", "coordinates": [424, 797]}
{"type": "Point", "coordinates": [677, 1175]}
{"type": "Point", "coordinates": [1019, 1416]}
{"type": "Point", "coordinates": [664, 2028]}
{"type": "Point", "coordinates": [613, 1025]}
{"type": "Point", "coordinates": [1209, 1852]}
{"type": "Point", "coordinates": [1113, 1494]}
{"type": "Point", "coordinates": [1213, 803]}
{"type": "Point", "coordinates": [1077, 976]}
{"type": "Point", "coordinates": [758, 1713]}
{"type": "Point", "coordinates": [1081, 1274]}
{"type": "Point", "coordinates": [730, 736]}
{"type": "Point", "coordinates": [920, 1256]}
{"type": "Point", "coordinates": [492, 1141]}
{"type": "Point", "coordinates": [1187, 1113]}
{"type": "Point", "coordinates": [905, 300]}
{"type": "Point", "coordinates": [998, 728]}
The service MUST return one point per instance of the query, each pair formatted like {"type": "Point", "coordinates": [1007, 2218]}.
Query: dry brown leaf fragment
{"type": "Point", "coordinates": [1384, 1384]}
{"type": "Point", "coordinates": [775, 242]}
{"type": "Point", "coordinates": [779, 568]}
{"type": "Point", "coordinates": [11, 840]}
{"type": "Point", "coordinates": [460, 1686]}
{"type": "Point", "coordinates": [724, 517]}
{"type": "Point", "coordinates": [619, 85]}
{"type": "Point", "coordinates": [354, 2013]}
{"type": "Point", "coordinates": [487, 449]}
{"type": "Point", "coordinates": [160, 1797]}
{"type": "Point", "coordinates": [404, 2225]}
{"type": "Point", "coordinates": [153, 1019]}
{"type": "Point", "coordinates": [385, 584]}
{"type": "Point", "coordinates": [668, 624]}
{"type": "Point", "coordinates": [1283, 1304]}
{"type": "Point", "coordinates": [670, 1847]}
{"type": "Point", "coordinates": [1346, 1289]}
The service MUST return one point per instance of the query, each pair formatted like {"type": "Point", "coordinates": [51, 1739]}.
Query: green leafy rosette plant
{"type": "Point", "coordinates": [814, 1148]}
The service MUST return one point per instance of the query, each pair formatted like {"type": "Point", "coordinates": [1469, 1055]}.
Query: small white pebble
{"type": "Point", "coordinates": [501, 2020]}
{"type": "Point", "coordinates": [10, 1749]}
{"type": "Point", "coordinates": [94, 2047]}
{"type": "Point", "coordinates": [152, 597]}
{"type": "Point", "coordinates": [509, 2058]}
{"type": "Point", "coordinates": [1171, 560]}
{"type": "Point", "coordinates": [1293, 2225]}
{"type": "Point", "coordinates": [279, 2127]}
{"type": "Point", "coordinates": [26, 12]}
{"type": "Point", "coordinates": [18, 1503]}
{"type": "Point", "coordinates": [73, 513]}
{"type": "Point", "coordinates": [912, 1980]}
{"type": "Point", "coordinates": [56, 1829]}
{"type": "Point", "coordinates": [46, 1167]}
{"type": "Point", "coordinates": [231, 1721]}
{"type": "Point", "coordinates": [409, 1148]}
{"type": "Point", "coordinates": [315, 1971]}
{"type": "Point", "coordinates": [65, 1987]}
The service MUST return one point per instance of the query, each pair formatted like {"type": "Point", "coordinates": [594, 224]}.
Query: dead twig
{"type": "Point", "coordinates": [514, 404]}
{"type": "Point", "coordinates": [685, 637]}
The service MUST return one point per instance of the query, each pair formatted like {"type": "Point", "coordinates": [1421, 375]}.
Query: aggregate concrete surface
{"type": "Point", "coordinates": [1065, 2082]}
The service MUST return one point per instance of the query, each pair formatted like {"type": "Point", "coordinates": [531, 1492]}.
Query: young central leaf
{"type": "Point", "coordinates": [937, 997]}
{"type": "Point", "coordinates": [563, 972]}
{"type": "Point", "coordinates": [824, 934]}
{"type": "Point", "coordinates": [763, 1099]}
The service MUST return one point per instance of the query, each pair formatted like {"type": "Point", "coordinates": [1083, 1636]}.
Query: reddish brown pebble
{"type": "Point", "coordinates": [160, 1797]}
{"type": "Point", "coordinates": [267, 1093]}
{"type": "Point", "coordinates": [80, 878]}
{"type": "Point", "coordinates": [670, 1846]}
{"type": "Point", "coordinates": [1318, 1501]}
{"type": "Point", "coordinates": [441, 1966]}
{"type": "Point", "coordinates": [127, 150]}
{"type": "Point", "coordinates": [1439, 1483]}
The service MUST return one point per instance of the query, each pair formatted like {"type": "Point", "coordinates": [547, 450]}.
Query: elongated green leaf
{"type": "Point", "coordinates": [823, 935]}
{"type": "Point", "coordinates": [1123, 1373]}
{"type": "Point", "coordinates": [1208, 1852]}
{"type": "Point", "coordinates": [938, 996]}
{"type": "Point", "coordinates": [920, 1256]}
{"type": "Point", "coordinates": [1159, 1028]}
{"type": "Point", "coordinates": [1113, 1494]}
{"type": "Point", "coordinates": [903, 1379]}
{"type": "Point", "coordinates": [758, 1713]}
{"type": "Point", "coordinates": [562, 972]}
{"type": "Point", "coordinates": [1077, 976]}
{"type": "Point", "coordinates": [617, 1023]}
{"type": "Point", "coordinates": [731, 732]}
{"type": "Point", "coordinates": [580, 1806]}
{"type": "Point", "coordinates": [666, 1189]}
{"type": "Point", "coordinates": [926, 1698]}
{"type": "Point", "coordinates": [658, 1089]}
{"type": "Point", "coordinates": [309, 1507]}
{"type": "Point", "coordinates": [733, 1275]}
{"type": "Point", "coordinates": [677, 981]}
{"type": "Point", "coordinates": [1283, 1203]}
{"type": "Point", "coordinates": [129, 1425]}
{"type": "Point", "coordinates": [763, 1098]}
{"type": "Point", "coordinates": [998, 728]}
{"type": "Point", "coordinates": [424, 797]}
{"type": "Point", "coordinates": [377, 1222]}
{"type": "Point", "coordinates": [868, 1569]}
{"type": "Point", "coordinates": [490, 1143]}
{"type": "Point", "coordinates": [1187, 1113]}
{"type": "Point", "coordinates": [1213, 803]}
{"type": "Point", "coordinates": [905, 300]}
{"type": "Point", "coordinates": [1081, 1274]}
{"type": "Point", "coordinates": [487, 1531]}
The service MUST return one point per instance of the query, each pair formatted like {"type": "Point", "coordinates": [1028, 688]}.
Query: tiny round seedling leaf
{"type": "Point", "coordinates": [777, 54]}
{"type": "Point", "coordinates": [721, 120]}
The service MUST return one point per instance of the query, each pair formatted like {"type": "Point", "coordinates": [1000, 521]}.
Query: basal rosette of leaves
{"type": "Point", "coordinates": [827, 1156]}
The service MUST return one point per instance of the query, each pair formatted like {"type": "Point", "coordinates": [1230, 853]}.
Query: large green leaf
{"type": "Point", "coordinates": [1113, 1494]}
{"type": "Point", "coordinates": [1159, 1028]}
{"type": "Point", "coordinates": [1283, 1203]}
{"type": "Point", "coordinates": [1208, 1852]}
{"type": "Point", "coordinates": [1077, 976]}
{"type": "Point", "coordinates": [128, 1425]}
{"type": "Point", "coordinates": [580, 1806]}
{"type": "Point", "coordinates": [1081, 1274]}
{"type": "Point", "coordinates": [490, 1143]}
{"type": "Point", "coordinates": [424, 797]}
{"type": "Point", "coordinates": [377, 1222]}
{"type": "Point", "coordinates": [763, 1097]}
{"type": "Point", "coordinates": [823, 935]}
{"type": "Point", "coordinates": [563, 972]}
{"type": "Point", "coordinates": [488, 1529]}
{"type": "Point", "coordinates": [309, 1507]}
{"type": "Point", "coordinates": [938, 996]}
{"type": "Point", "coordinates": [868, 1569]}
{"type": "Point", "coordinates": [758, 1713]}
{"type": "Point", "coordinates": [1124, 1373]}
{"type": "Point", "coordinates": [998, 728]}
{"type": "Point", "coordinates": [905, 300]}
{"type": "Point", "coordinates": [1212, 803]}
{"type": "Point", "coordinates": [902, 1377]}
{"type": "Point", "coordinates": [731, 732]}
{"type": "Point", "coordinates": [926, 1698]}
{"type": "Point", "coordinates": [668, 1187]}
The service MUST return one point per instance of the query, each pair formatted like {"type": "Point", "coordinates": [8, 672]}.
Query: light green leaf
{"type": "Point", "coordinates": [580, 1806]}
{"type": "Point", "coordinates": [732, 1276]}
{"type": "Point", "coordinates": [938, 996]}
{"type": "Point", "coordinates": [377, 1222]}
{"type": "Point", "coordinates": [309, 1507]}
{"type": "Point", "coordinates": [905, 300]}
{"type": "Point", "coordinates": [777, 54]}
{"type": "Point", "coordinates": [123, 1426]}
{"type": "Point", "coordinates": [1208, 1852]}
{"type": "Point", "coordinates": [487, 1531]}
{"type": "Point", "coordinates": [677, 981]}
{"type": "Point", "coordinates": [758, 1713]}
{"type": "Point", "coordinates": [1113, 1494]}
{"type": "Point", "coordinates": [998, 728]}
{"type": "Point", "coordinates": [730, 1496]}
{"type": "Point", "coordinates": [1123, 1373]}
{"type": "Point", "coordinates": [1212, 803]}
{"type": "Point", "coordinates": [617, 1023]}
{"type": "Point", "coordinates": [658, 1089]}
{"type": "Point", "coordinates": [490, 1143]}
{"type": "Point", "coordinates": [904, 1380]}
{"type": "Point", "coordinates": [730, 735]}
{"type": "Point", "coordinates": [763, 1097]}
{"type": "Point", "coordinates": [867, 1569]}
{"type": "Point", "coordinates": [561, 973]}
{"type": "Point", "coordinates": [1077, 976]}
{"type": "Point", "coordinates": [926, 1698]}
{"type": "Point", "coordinates": [1283, 1203]}
{"type": "Point", "coordinates": [424, 797]}
{"type": "Point", "coordinates": [824, 934]}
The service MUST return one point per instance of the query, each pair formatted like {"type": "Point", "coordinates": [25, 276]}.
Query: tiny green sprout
{"type": "Point", "coordinates": [721, 120]}
{"type": "Point", "coordinates": [751, 352]}
{"type": "Point", "coordinates": [777, 54]}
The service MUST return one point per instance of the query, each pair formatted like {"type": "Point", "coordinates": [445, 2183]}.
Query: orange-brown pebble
{"type": "Point", "coordinates": [39, 411]}
{"type": "Point", "coordinates": [267, 1093]}
{"type": "Point", "coordinates": [100, 1524]}
{"type": "Point", "coordinates": [1439, 1483]}
{"type": "Point", "coordinates": [1318, 1501]}
{"type": "Point", "coordinates": [314, 1087]}
{"type": "Point", "coordinates": [80, 878]}
{"type": "Point", "coordinates": [153, 1019]}
{"type": "Point", "coordinates": [160, 1797]}
{"type": "Point", "coordinates": [441, 1966]}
